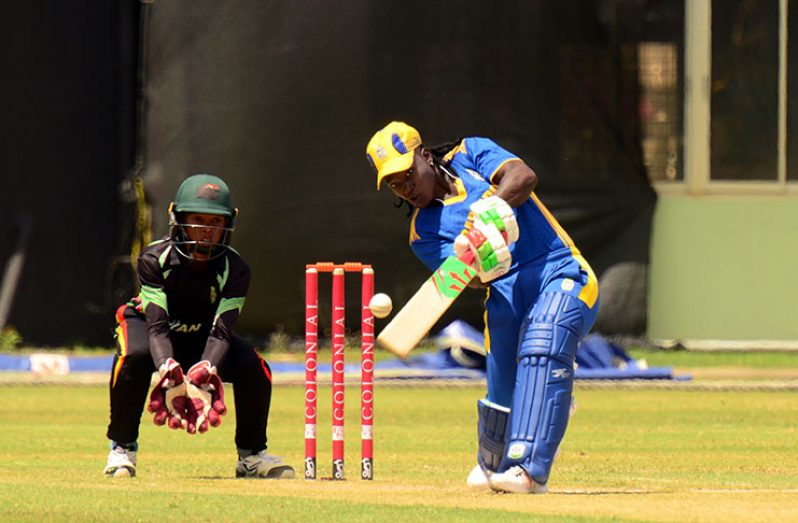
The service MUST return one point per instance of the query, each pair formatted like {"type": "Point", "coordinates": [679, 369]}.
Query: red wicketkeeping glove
{"type": "Point", "coordinates": [206, 398]}
{"type": "Point", "coordinates": [168, 397]}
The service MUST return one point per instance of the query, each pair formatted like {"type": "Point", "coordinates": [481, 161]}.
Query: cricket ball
{"type": "Point", "coordinates": [380, 305]}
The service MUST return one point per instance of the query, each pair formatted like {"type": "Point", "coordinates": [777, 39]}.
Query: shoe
{"type": "Point", "coordinates": [262, 465]}
{"type": "Point", "coordinates": [121, 463]}
{"type": "Point", "coordinates": [478, 479]}
{"type": "Point", "coordinates": [516, 480]}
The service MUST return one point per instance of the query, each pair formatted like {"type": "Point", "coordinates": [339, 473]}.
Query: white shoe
{"type": "Point", "coordinates": [121, 463]}
{"type": "Point", "coordinates": [516, 480]}
{"type": "Point", "coordinates": [478, 479]}
{"type": "Point", "coordinates": [262, 465]}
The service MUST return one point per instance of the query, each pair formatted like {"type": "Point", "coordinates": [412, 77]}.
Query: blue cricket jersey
{"type": "Point", "coordinates": [543, 247]}
{"type": "Point", "coordinates": [535, 314]}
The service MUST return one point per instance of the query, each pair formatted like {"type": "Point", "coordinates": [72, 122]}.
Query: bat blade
{"type": "Point", "coordinates": [427, 305]}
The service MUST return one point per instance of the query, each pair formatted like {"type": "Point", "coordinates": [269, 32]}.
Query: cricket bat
{"type": "Point", "coordinates": [427, 305]}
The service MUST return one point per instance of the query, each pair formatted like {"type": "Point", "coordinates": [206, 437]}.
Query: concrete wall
{"type": "Point", "coordinates": [724, 268]}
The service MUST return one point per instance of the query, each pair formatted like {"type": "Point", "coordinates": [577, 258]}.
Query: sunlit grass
{"type": "Point", "coordinates": [634, 455]}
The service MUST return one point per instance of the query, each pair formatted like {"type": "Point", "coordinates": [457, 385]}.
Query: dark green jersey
{"type": "Point", "coordinates": [190, 302]}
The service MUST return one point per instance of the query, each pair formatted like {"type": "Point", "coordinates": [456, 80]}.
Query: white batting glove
{"type": "Point", "coordinates": [492, 257]}
{"type": "Point", "coordinates": [494, 210]}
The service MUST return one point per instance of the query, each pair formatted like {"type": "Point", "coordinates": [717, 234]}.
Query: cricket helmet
{"type": "Point", "coordinates": [205, 194]}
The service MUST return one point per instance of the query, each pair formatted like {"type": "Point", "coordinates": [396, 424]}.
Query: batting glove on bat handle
{"type": "Point", "coordinates": [491, 255]}
{"type": "Point", "coordinates": [496, 212]}
{"type": "Point", "coordinates": [207, 395]}
{"type": "Point", "coordinates": [166, 401]}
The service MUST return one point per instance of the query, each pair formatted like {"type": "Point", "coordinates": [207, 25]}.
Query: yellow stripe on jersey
{"type": "Point", "coordinates": [461, 148]}
{"type": "Point", "coordinates": [413, 234]}
{"type": "Point", "coordinates": [459, 197]}
{"type": "Point", "coordinates": [554, 224]}
{"type": "Point", "coordinates": [461, 193]}
{"type": "Point", "coordinates": [589, 293]}
{"type": "Point", "coordinates": [485, 322]}
{"type": "Point", "coordinates": [490, 178]}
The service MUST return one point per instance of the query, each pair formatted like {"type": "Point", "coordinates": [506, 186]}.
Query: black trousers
{"type": "Point", "coordinates": [132, 373]}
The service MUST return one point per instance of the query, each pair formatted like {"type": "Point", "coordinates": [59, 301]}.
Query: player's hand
{"type": "Point", "coordinates": [489, 232]}
{"type": "Point", "coordinates": [492, 257]}
{"type": "Point", "coordinates": [206, 398]}
{"type": "Point", "coordinates": [167, 399]}
{"type": "Point", "coordinates": [198, 409]}
{"type": "Point", "coordinates": [495, 211]}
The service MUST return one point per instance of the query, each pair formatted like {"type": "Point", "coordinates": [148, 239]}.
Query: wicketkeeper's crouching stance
{"type": "Point", "coordinates": [193, 287]}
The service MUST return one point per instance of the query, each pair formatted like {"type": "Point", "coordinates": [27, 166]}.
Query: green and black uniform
{"type": "Point", "coordinates": [187, 310]}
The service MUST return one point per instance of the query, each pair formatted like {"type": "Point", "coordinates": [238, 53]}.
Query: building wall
{"type": "Point", "coordinates": [723, 268]}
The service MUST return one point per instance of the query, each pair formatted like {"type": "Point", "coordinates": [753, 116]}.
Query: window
{"type": "Point", "coordinates": [740, 131]}
{"type": "Point", "coordinates": [744, 90]}
{"type": "Point", "coordinates": [660, 110]}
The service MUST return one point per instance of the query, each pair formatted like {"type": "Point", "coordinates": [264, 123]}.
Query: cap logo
{"type": "Point", "coordinates": [209, 191]}
{"type": "Point", "coordinates": [380, 152]}
{"type": "Point", "coordinates": [398, 144]}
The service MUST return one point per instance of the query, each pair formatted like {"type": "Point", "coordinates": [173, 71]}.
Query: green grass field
{"type": "Point", "coordinates": [629, 455]}
{"type": "Point", "coordinates": [728, 359]}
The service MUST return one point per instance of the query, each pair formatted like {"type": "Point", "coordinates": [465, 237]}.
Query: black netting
{"type": "Point", "coordinates": [68, 70]}
{"type": "Point", "coordinates": [279, 98]}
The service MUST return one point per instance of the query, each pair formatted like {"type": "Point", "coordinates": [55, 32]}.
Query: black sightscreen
{"type": "Point", "coordinates": [279, 98]}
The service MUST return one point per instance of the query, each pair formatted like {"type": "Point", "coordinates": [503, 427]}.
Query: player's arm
{"type": "Point", "coordinates": [155, 308]}
{"type": "Point", "coordinates": [227, 312]}
{"type": "Point", "coordinates": [166, 399]}
{"type": "Point", "coordinates": [513, 178]}
{"type": "Point", "coordinates": [515, 181]}
{"type": "Point", "coordinates": [204, 384]}
{"type": "Point", "coordinates": [491, 227]}
{"type": "Point", "coordinates": [222, 331]}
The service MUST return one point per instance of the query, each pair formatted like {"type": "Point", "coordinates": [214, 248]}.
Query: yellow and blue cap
{"type": "Point", "coordinates": [391, 149]}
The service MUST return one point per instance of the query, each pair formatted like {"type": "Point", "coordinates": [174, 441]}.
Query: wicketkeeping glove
{"type": "Point", "coordinates": [206, 398]}
{"type": "Point", "coordinates": [167, 399]}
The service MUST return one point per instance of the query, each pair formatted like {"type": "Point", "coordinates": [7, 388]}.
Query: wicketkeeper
{"type": "Point", "coordinates": [193, 287]}
{"type": "Point", "coordinates": [473, 195]}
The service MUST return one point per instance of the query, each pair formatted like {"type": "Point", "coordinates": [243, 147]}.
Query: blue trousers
{"type": "Point", "coordinates": [535, 318]}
